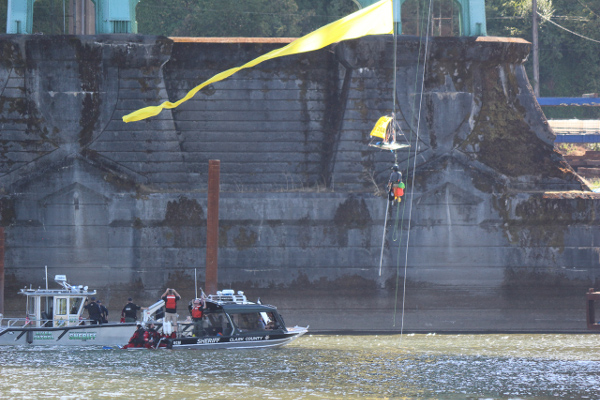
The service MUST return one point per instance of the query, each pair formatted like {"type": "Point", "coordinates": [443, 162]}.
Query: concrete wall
{"type": "Point", "coordinates": [499, 234]}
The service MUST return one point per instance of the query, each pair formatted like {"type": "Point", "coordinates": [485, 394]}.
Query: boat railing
{"type": "Point", "coordinates": [229, 296]}
{"type": "Point", "coordinates": [11, 322]}
{"type": "Point", "coordinates": [33, 323]}
{"type": "Point", "coordinates": [149, 313]}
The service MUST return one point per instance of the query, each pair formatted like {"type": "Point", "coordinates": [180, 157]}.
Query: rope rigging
{"type": "Point", "coordinates": [414, 168]}
{"type": "Point", "coordinates": [388, 129]}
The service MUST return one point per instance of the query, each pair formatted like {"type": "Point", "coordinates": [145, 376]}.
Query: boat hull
{"type": "Point", "coordinates": [81, 335]}
{"type": "Point", "coordinates": [267, 340]}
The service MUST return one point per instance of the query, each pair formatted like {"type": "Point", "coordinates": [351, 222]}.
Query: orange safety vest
{"type": "Point", "coordinates": [197, 312]}
{"type": "Point", "coordinates": [171, 302]}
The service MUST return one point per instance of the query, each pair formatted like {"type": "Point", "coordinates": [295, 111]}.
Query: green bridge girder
{"type": "Point", "coordinates": [19, 16]}
{"type": "Point", "coordinates": [112, 16]}
{"type": "Point", "coordinates": [472, 15]}
{"type": "Point", "coordinates": [118, 16]}
{"type": "Point", "coordinates": [115, 16]}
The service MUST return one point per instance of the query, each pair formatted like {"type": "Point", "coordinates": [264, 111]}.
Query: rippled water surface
{"type": "Point", "coordinates": [319, 367]}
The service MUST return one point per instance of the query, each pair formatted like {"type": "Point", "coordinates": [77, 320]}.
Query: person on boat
{"type": "Point", "coordinates": [130, 310]}
{"type": "Point", "coordinates": [171, 297]}
{"type": "Point", "coordinates": [93, 310]}
{"type": "Point", "coordinates": [137, 340]}
{"type": "Point", "coordinates": [103, 312]}
{"type": "Point", "coordinates": [151, 337]}
{"type": "Point", "coordinates": [271, 324]}
{"type": "Point", "coordinates": [395, 185]}
{"type": "Point", "coordinates": [197, 312]}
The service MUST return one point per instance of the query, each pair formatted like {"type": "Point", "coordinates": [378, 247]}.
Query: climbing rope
{"type": "Point", "coordinates": [413, 177]}
{"type": "Point", "coordinates": [395, 236]}
{"type": "Point", "coordinates": [387, 207]}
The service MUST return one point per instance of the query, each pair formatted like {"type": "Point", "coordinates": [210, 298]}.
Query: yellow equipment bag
{"type": "Point", "coordinates": [381, 127]}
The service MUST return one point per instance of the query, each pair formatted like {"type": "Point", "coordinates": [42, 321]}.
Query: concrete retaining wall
{"type": "Point", "coordinates": [500, 235]}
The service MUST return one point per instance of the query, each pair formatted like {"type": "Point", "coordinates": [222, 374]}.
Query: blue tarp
{"type": "Point", "coordinates": [569, 101]}
{"type": "Point", "coordinates": [573, 138]}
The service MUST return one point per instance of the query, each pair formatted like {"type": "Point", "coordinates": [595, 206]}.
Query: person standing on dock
{"type": "Point", "coordinates": [171, 297]}
{"type": "Point", "coordinates": [130, 311]}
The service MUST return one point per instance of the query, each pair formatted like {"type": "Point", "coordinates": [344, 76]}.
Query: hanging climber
{"type": "Point", "coordinates": [395, 185]}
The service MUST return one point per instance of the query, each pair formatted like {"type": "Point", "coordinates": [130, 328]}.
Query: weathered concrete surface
{"type": "Point", "coordinates": [500, 236]}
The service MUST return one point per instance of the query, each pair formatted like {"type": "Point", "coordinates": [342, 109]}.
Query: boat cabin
{"type": "Point", "coordinates": [235, 319]}
{"type": "Point", "coordinates": [229, 314]}
{"type": "Point", "coordinates": [56, 307]}
{"type": "Point", "coordinates": [592, 297]}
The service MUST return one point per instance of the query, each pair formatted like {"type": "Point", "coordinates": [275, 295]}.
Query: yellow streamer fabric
{"type": "Point", "coordinates": [373, 20]}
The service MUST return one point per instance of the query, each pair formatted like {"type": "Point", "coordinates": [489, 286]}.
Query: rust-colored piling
{"type": "Point", "coordinates": [212, 226]}
{"type": "Point", "coordinates": [1, 270]}
{"type": "Point", "coordinates": [591, 298]}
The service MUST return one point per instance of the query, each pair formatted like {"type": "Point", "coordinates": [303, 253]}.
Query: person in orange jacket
{"type": "Point", "coordinates": [171, 297]}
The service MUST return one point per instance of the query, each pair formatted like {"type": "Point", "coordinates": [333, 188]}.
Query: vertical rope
{"type": "Point", "coordinates": [394, 83]}
{"type": "Point", "coordinates": [412, 109]}
{"type": "Point", "coordinates": [414, 168]}
{"type": "Point", "coordinates": [387, 207]}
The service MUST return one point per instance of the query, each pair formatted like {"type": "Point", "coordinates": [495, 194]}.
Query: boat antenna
{"type": "Point", "coordinates": [196, 282]}
{"type": "Point", "coordinates": [46, 268]}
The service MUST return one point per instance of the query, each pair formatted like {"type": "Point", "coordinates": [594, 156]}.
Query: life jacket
{"type": "Point", "coordinates": [197, 312]}
{"type": "Point", "coordinates": [130, 310]}
{"type": "Point", "coordinates": [151, 336]}
{"type": "Point", "coordinates": [93, 310]}
{"type": "Point", "coordinates": [171, 303]}
{"type": "Point", "coordinates": [138, 337]}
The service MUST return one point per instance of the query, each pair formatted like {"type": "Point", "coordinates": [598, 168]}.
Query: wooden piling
{"type": "Point", "coordinates": [212, 227]}
{"type": "Point", "coordinates": [1, 270]}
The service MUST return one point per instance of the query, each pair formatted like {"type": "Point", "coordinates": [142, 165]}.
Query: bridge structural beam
{"type": "Point", "coordinates": [472, 15]}
{"type": "Point", "coordinates": [19, 16]}
{"type": "Point", "coordinates": [115, 16]}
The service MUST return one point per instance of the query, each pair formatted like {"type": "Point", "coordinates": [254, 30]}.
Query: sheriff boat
{"type": "Point", "coordinates": [230, 321]}
{"type": "Point", "coordinates": [55, 317]}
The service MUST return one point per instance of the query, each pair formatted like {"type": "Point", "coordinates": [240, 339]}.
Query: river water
{"type": "Point", "coordinates": [318, 367]}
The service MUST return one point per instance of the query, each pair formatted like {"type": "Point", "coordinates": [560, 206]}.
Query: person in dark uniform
{"type": "Point", "coordinates": [130, 311]}
{"type": "Point", "coordinates": [103, 312]}
{"type": "Point", "coordinates": [93, 310]}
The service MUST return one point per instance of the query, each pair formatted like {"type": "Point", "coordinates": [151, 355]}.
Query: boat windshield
{"type": "Point", "coordinates": [76, 304]}
{"type": "Point", "coordinates": [254, 321]}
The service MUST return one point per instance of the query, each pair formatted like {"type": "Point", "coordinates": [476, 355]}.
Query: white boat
{"type": "Point", "coordinates": [54, 317]}
{"type": "Point", "coordinates": [230, 321]}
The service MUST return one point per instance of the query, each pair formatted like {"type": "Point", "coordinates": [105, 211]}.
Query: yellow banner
{"type": "Point", "coordinates": [381, 127]}
{"type": "Point", "coordinates": [373, 20]}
